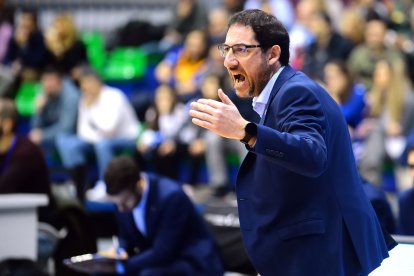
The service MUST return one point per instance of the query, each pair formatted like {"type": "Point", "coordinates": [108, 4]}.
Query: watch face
{"type": "Point", "coordinates": [251, 128]}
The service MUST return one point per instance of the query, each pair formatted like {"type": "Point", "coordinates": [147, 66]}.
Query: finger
{"type": "Point", "coordinates": [212, 103]}
{"type": "Point", "coordinates": [203, 107]}
{"type": "Point", "coordinates": [201, 115]}
{"type": "Point", "coordinates": [201, 123]}
{"type": "Point", "coordinates": [224, 98]}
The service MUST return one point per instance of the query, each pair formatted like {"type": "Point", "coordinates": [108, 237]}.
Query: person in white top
{"type": "Point", "coordinates": [106, 124]}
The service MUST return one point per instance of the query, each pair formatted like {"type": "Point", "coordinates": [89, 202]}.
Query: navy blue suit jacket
{"type": "Point", "coordinates": [175, 232]}
{"type": "Point", "coordinates": [301, 204]}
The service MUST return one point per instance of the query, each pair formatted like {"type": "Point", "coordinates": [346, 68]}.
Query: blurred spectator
{"type": "Point", "coordinates": [218, 19]}
{"type": "Point", "coordinates": [367, 7]}
{"type": "Point", "coordinates": [62, 40]}
{"type": "Point", "coordinates": [406, 198]}
{"type": "Point", "coordinates": [405, 42]}
{"type": "Point", "coordinates": [352, 25]}
{"type": "Point", "coordinates": [158, 145]}
{"type": "Point", "coordinates": [6, 27]}
{"type": "Point", "coordinates": [334, 8]}
{"type": "Point", "coordinates": [217, 25]}
{"type": "Point", "coordinates": [328, 45]}
{"type": "Point", "coordinates": [351, 98]}
{"type": "Point", "coordinates": [233, 6]}
{"type": "Point", "coordinates": [364, 57]}
{"type": "Point", "coordinates": [300, 35]}
{"type": "Point", "coordinates": [349, 95]}
{"type": "Point", "coordinates": [157, 218]}
{"type": "Point", "coordinates": [6, 32]}
{"type": "Point", "coordinates": [391, 119]}
{"type": "Point", "coordinates": [184, 69]}
{"type": "Point", "coordinates": [56, 108]}
{"type": "Point", "coordinates": [381, 206]}
{"type": "Point", "coordinates": [23, 168]}
{"type": "Point", "coordinates": [106, 124]}
{"type": "Point", "coordinates": [189, 15]}
{"type": "Point", "coordinates": [282, 9]}
{"type": "Point", "coordinates": [27, 54]}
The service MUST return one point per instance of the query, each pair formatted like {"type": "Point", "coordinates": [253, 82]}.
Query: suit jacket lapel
{"type": "Point", "coordinates": [137, 233]}
{"type": "Point", "coordinates": [250, 158]}
{"type": "Point", "coordinates": [151, 207]}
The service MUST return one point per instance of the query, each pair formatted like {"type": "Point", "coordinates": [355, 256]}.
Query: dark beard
{"type": "Point", "coordinates": [261, 84]}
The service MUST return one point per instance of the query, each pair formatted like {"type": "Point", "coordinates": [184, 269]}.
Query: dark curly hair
{"type": "Point", "coordinates": [268, 30]}
{"type": "Point", "coordinates": [121, 173]}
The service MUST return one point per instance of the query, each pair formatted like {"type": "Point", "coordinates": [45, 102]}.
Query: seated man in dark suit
{"type": "Point", "coordinates": [159, 221]}
{"type": "Point", "coordinates": [381, 205]}
{"type": "Point", "coordinates": [406, 198]}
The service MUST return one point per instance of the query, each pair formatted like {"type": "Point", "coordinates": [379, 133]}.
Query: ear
{"type": "Point", "coordinates": [274, 54]}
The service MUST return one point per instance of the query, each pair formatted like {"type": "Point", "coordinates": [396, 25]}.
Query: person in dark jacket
{"type": "Point", "coordinates": [159, 227]}
{"type": "Point", "coordinates": [301, 205]}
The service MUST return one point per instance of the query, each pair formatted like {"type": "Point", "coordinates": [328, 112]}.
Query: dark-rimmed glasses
{"type": "Point", "coordinates": [239, 50]}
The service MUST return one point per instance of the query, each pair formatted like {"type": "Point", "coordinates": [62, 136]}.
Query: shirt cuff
{"type": "Point", "coordinates": [119, 267]}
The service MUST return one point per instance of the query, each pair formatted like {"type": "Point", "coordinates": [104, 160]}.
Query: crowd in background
{"type": "Point", "coordinates": [361, 51]}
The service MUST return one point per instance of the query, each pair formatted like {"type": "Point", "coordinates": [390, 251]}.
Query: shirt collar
{"type": "Point", "coordinates": [260, 102]}
{"type": "Point", "coordinates": [143, 202]}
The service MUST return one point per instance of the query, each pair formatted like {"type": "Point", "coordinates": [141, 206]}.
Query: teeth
{"type": "Point", "coordinates": [238, 78]}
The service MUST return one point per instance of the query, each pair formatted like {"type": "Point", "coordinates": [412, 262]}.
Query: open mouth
{"type": "Point", "coordinates": [239, 78]}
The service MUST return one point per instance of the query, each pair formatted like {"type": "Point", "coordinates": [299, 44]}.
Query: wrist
{"type": "Point", "coordinates": [250, 133]}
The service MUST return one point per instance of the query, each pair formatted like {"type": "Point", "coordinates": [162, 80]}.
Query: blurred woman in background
{"type": "Point", "coordinates": [390, 120]}
{"type": "Point", "coordinates": [62, 40]}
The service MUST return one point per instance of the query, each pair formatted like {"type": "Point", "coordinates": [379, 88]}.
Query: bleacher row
{"type": "Point", "coordinates": [131, 69]}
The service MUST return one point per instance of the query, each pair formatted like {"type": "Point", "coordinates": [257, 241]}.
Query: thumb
{"type": "Point", "coordinates": [224, 98]}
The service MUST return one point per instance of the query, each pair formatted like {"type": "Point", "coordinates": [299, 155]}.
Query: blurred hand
{"type": "Point", "coordinates": [112, 254]}
{"type": "Point", "coordinates": [16, 67]}
{"type": "Point", "coordinates": [394, 129]}
{"type": "Point", "coordinates": [197, 147]}
{"type": "Point", "coordinates": [166, 148]}
{"type": "Point", "coordinates": [40, 102]}
{"type": "Point", "coordinates": [143, 148]}
{"type": "Point", "coordinates": [222, 118]}
{"type": "Point", "coordinates": [35, 136]}
{"type": "Point", "coordinates": [163, 73]}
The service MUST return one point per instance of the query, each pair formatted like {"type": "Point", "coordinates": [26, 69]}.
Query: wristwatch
{"type": "Point", "coordinates": [250, 131]}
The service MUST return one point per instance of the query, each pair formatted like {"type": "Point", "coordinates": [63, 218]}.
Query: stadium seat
{"type": "Point", "coordinates": [125, 64]}
{"type": "Point", "coordinates": [26, 96]}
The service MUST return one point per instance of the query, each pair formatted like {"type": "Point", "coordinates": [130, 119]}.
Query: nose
{"type": "Point", "coordinates": [230, 61]}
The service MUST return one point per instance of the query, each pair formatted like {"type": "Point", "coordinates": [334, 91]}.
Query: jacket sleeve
{"type": "Point", "coordinates": [296, 138]}
{"type": "Point", "coordinates": [170, 232]}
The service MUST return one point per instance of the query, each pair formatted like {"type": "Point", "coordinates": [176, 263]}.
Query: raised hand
{"type": "Point", "coordinates": [223, 118]}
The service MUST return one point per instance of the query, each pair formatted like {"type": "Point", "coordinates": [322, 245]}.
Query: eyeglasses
{"type": "Point", "coordinates": [239, 50]}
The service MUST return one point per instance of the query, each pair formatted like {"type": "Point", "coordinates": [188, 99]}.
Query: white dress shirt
{"type": "Point", "coordinates": [260, 102]}
{"type": "Point", "coordinates": [110, 116]}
